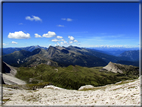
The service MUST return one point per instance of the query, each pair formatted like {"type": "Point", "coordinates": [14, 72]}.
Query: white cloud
{"type": "Point", "coordinates": [65, 42]}
{"type": "Point", "coordinates": [62, 40]}
{"type": "Point", "coordinates": [14, 42]}
{"type": "Point", "coordinates": [37, 35]}
{"type": "Point", "coordinates": [63, 19]}
{"type": "Point", "coordinates": [29, 18]}
{"type": "Point", "coordinates": [49, 34]}
{"type": "Point", "coordinates": [75, 41]}
{"type": "Point", "coordinates": [59, 37]}
{"type": "Point", "coordinates": [58, 44]}
{"type": "Point", "coordinates": [71, 37]}
{"type": "Point", "coordinates": [68, 19]}
{"type": "Point", "coordinates": [54, 40]}
{"type": "Point", "coordinates": [4, 44]}
{"type": "Point", "coordinates": [62, 43]}
{"type": "Point", "coordinates": [19, 35]}
{"type": "Point", "coordinates": [71, 42]}
{"type": "Point", "coordinates": [60, 25]}
{"type": "Point", "coordinates": [36, 18]}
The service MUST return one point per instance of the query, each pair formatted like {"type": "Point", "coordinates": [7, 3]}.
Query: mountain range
{"type": "Point", "coordinates": [29, 48]}
{"type": "Point", "coordinates": [132, 55]}
{"type": "Point", "coordinates": [115, 51]}
{"type": "Point", "coordinates": [65, 56]}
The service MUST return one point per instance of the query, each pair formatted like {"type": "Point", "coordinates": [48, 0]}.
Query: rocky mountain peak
{"type": "Point", "coordinates": [112, 68]}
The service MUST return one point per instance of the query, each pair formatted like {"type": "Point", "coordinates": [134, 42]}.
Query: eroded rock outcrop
{"type": "Point", "coordinates": [8, 76]}
{"type": "Point", "coordinates": [86, 87]}
{"type": "Point", "coordinates": [112, 68]}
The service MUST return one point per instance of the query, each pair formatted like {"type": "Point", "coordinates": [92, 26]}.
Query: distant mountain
{"type": "Point", "coordinates": [105, 56]}
{"type": "Point", "coordinates": [16, 57]}
{"type": "Point", "coordinates": [72, 56]}
{"type": "Point", "coordinates": [10, 50]}
{"type": "Point", "coordinates": [134, 63]}
{"type": "Point", "coordinates": [61, 56]}
{"type": "Point", "coordinates": [116, 51]}
{"type": "Point", "coordinates": [132, 55]}
{"type": "Point", "coordinates": [30, 48]}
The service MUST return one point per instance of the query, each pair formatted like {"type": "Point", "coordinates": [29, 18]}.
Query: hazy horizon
{"type": "Point", "coordinates": [79, 46]}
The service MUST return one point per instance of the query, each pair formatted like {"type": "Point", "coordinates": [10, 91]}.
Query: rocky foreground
{"type": "Point", "coordinates": [126, 93]}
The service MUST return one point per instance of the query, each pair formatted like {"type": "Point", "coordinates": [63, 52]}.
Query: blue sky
{"type": "Point", "coordinates": [64, 24]}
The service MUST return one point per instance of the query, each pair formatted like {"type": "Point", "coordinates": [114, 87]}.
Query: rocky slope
{"type": "Point", "coordinates": [121, 69]}
{"type": "Point", "coordinates": [132, 55]}
{"type": "Point", "coordinates": [8, 76]}
{"type": "Point", "coordinates": [112, 68]}
{"type": "Point", "coordinates": [61, 55]}
{"type": "Point", "coordinates": [126, 93]}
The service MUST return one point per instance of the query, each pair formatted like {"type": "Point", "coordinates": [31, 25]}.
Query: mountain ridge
{"type": "Point", "coordinates": [62, 56]}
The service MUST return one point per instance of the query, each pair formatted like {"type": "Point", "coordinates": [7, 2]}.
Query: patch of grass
{"type": "Point", "coordinates": [94, 89]}
{"type": "Point", "coordinates": [72, 77]}
{"type": "Point", "coordinates": [124, 82]}
{"type": "Point", "coordinates": [5, 100]}
{"type": "Point", "coordinates": [35, 86]}
{"type": "Point", "coordinates": [32, 98]}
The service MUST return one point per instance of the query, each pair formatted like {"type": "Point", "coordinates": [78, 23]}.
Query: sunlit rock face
{"type": "Point", "coordinates": [9, 75]}
{"type": "Point", "coordinates": [112, 68]}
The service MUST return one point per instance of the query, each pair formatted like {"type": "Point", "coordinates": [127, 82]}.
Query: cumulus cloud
{"type": "Point", "coordinates": [60, 25]}
{"type": "Point", "coordinates": [59, 37]}
{"type": "Point", "coordinates": [49, 34]}
{"type": "Point", "coordinates": [36, 18]}
{"type": "Point", "coordinates": [37, 35]}
{"type": "Point", "coordinates": [62, 43]}
{"type": "Point", "coordinates": [75, 41]}
{"type": "Point", "coordinates": [71, 42]}
{"type": "Point", "coordinates": [68, 19]}
{"type": "Point", "coordinates": [62, 40]}
{"type": "Point", "coordinates": [19, 35]}
{"type": "Point", "coordinates": [71, 37]}
{"type": "Point", "coordinates": [54, 40]}
{"type": "Point", "coordinates": [65, 42]}
{"type": "Point", "coordinates": [13, 42]}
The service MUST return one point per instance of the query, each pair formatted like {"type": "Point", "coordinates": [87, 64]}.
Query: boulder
{"type": "Point", "coordinates": [86, 87]}
{"type": "Point", "coordinates": [52, 87]}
